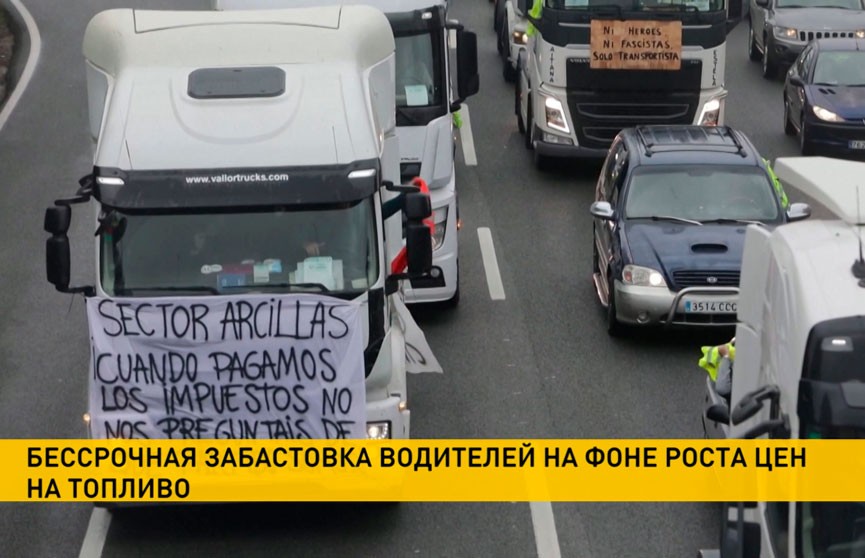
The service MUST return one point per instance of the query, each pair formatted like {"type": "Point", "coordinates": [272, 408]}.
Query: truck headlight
{"type": "Point", "coordinates": [711, 113]}
{"type": "Point", "coordinates": [378, 430]}
{"type": "Point", "coordinates": [556, 115]}
{"type": "Point", "coordinates": [785, 33]}
{"type": "Point", "coordinates": [642, 276]}
{"type": "Point", "coordinates": [440, 218]}
{"type": "Point", "coordinates": [826, 115]}
{"type": "Point", "coordinates": [519, 37]}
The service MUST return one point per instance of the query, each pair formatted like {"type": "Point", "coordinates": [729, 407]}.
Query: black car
{"type": "Point", "coordinates": [824, 98]}
{"type": "Point", "coordinates": [672, 204]}
{"type": "Point", "coordinates": [780, 29]}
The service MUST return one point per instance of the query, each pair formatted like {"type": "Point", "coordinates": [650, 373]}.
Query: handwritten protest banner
{"type": "Point", "coordinates": [636, 45]}
{"type": "Point", "coordinates": [253, 367]}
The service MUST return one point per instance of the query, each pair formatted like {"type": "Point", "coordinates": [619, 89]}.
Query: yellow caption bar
{"type": "Point", "coordinates": [432, 470]}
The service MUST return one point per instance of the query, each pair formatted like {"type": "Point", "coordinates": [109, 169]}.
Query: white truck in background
{"type": "Point", "coordinates": [425, 105]}
{"type": "Point", "coordinates": [511, 27]}
{"type": "Point", "coordinates": [798, 370]}
{"type": "Point", "coordinates": [219, 134]}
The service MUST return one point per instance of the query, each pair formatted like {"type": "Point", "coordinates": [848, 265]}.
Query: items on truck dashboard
{"type": "Point", "coordinates": [780, 29]}
{"type": "Point", "coordinates": [670, 208]}
{"type": "Point", "coordinates": [824, 98]}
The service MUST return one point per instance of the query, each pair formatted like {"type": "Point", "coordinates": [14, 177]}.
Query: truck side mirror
{"type": "Point", "coordinates": [57, 219]}
{"type": "Point", "coordinates": [417, 206]}
{"type": "Point", "coordinates": [57, 261]}
{"type": "Point", "coordinates": [468, 81]}
{"type": "Point", "coordinates": [798, 212]}
{"type": "Point", "coordinates": [418, 242]}
{"type": "Point", "coordinates": [719, 413]}
{"type": "Point", "coordinates": [752, 402]}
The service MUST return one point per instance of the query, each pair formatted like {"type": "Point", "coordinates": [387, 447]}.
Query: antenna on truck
{"type": "Point", "coordinates": [858, 268]}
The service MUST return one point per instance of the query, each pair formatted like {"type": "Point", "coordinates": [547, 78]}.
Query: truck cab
{"type": "Point", "coordinates": [593, 68]}
{"type": "Point", "coordinates": [425, 107]}
{"type": "Point", "coordinates": [261, 170]}
{"type": "Point", "coordinates": [800, 345]}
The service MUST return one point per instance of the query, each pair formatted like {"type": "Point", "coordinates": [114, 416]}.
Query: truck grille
{"type": "Point", "coordinates": [603, 102]}
{"type": "Point", "coordinates": [701, 278]}
{"type": "Point", "coordinates": [807, 36]}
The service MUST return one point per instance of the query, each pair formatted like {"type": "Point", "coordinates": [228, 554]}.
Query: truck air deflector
{"type": "Point", "coordinates": [233, 187]}
{"type": "Point", "coordinates": [236, 83]}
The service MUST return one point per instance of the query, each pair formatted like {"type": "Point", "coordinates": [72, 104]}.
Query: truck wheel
{"type": "Point", "coordinates": [530, 124]}
{"type": "Point", "coordinates": [521, 125]}
{"type": "Point", "coordinates": [508, 70]}
{"type": "Point", "coordinates": [770, 67]}
{"type": "Point", "coordinates": [614, 326]}
{"type": "Point", "coordinates": [789, 129]}
{"type": "Point", "coordinates": [753, 53]}
{"type": "Point", "coordinates": [454, 301]}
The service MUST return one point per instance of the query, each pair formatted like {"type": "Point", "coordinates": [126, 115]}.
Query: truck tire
{"type": "Point", "coordinates": [753, 53]}
{"type": "Point", "coordinates": [508, 70]}
{"type": "Point", "coordinates": [521, 125]}
{"type": "Point", "coordinates": [530, 124]}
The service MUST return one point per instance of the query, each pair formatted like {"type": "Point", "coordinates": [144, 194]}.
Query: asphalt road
{"type": "Point", "coordinates": [538, 364]}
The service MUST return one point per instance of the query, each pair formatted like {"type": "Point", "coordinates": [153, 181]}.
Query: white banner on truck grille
{"type": "Point", "coordinates": [256, 367]}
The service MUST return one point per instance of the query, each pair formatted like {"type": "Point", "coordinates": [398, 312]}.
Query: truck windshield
{"type": "Point", "coordinates": [701, 193]}
{"type": "Point", "coordinates": [842, 4]}
{"type": "Point", "coordinates": [640, 5]}
{"type": "Point", "coordinates": [832, 529]}
{"type": "Point", "coordinates": [329, 249]}
{"type": "Point", "coordinates": [418, 71]}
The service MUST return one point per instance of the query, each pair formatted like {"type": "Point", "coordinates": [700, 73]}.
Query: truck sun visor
{"type": "Point", "coordinates": [229, 187]}
{"type": "Point", "coordinates": [236, 83]}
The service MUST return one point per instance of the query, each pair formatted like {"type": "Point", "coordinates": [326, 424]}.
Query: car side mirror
{"type": "Point", "coordinates": [602, 210]}
{"type": "Point", "coordinates": [468, 81]}
{"type": "Point", "coordinates": [798, 212]}
{"type": "Point", "coordinates": [796, 81]}
{"type": "Point", "coordinates": [719, 412]}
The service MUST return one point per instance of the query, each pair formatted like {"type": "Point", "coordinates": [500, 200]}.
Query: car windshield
{"type": "Point", "coordinates": [418, 83]}
{"type": "Point", "coordinates": [701, 193]}
{"type": "Point", "coordinates": [840, 68]}
{"type": "Point", "coordinates": [328, 249]}
{"type": "Point", "coordinates": [842, 4]}
{"type": "Point", "coordinates": [640, 5]}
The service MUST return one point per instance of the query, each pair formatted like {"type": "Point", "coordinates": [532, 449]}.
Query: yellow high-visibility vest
{"type": "Point", "coordinates": [712, 359]}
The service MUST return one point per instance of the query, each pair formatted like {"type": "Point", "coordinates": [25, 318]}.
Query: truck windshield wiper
{"type": "Point", "coordinates": [318, 286]}
{"type": "Point", "coordinates": [188, 288]}
{"type": "Point", "coordinates": [677, 219]}
{"type": "Point", "coordinates": [722, 220]}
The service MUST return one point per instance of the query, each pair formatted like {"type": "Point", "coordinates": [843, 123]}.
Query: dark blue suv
{"type": "Point", "coordinates": [671, 207]}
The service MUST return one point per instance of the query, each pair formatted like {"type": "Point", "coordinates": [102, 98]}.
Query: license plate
{"type": "Point", "coordinates": [857, 144]}
{"type": "Point", "coordinates": [693, 306]}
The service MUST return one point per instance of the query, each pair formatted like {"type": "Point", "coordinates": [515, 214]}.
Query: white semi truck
{"type": "Point", "coordinates": [224, 144]}
{"type": "Point", "coordinates": [799, 368]}
{"type": "Point", "coordinates": [510, 25]}
{"type": "Point", "coordinates": [425, 105]}
{"type": "Point", "coordinates": [594, 67]}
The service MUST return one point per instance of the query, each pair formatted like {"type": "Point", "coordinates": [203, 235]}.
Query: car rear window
{"type": "Point", "coordinates": [701, 193]}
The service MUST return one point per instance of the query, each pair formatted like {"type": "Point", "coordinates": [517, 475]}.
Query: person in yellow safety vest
{"type": "Point", "coordinates": [718, 362]}
{"type": "Point", "coordinates": [535, 13]}
{"type": "Point", "coordinates": [776, 182]}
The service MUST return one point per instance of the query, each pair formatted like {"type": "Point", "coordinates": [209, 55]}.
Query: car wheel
{"type": "Point", "coordinates": [521, 125]}
{"type": "Point", "coordinates": [530, 125]}
{"type": "Point", "coordinates": [753, 53]}
{"type": "Point", "coordinates": [805, 146]}
{"type": "Point", "coordinates": [789, 129]}
{"type": "Point", "coordinates": [614, 326]}
{"type": "Point", "coordinates": [770, 68]}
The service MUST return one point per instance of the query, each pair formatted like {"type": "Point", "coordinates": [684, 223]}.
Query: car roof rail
{"type": "Point", "coordinates": [649, 139]}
